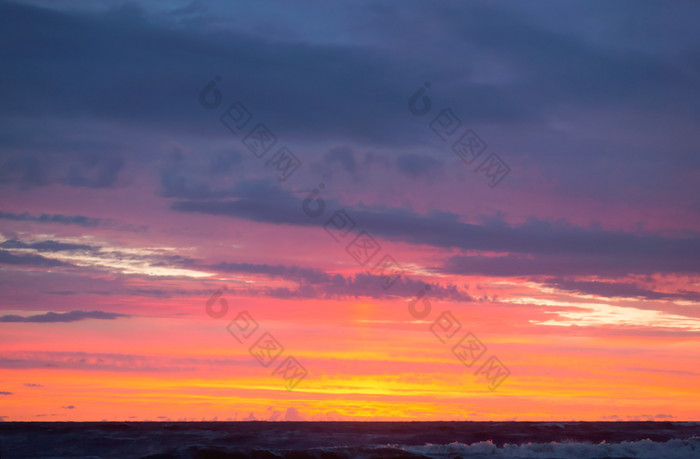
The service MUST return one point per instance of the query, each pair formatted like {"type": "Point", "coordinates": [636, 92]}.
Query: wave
{"type": "Point", "coordinates": [643, 449]}
{"type": "Point", "coordinates": [672, 449]}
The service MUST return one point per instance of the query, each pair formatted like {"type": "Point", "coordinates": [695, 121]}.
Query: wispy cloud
{"type": "Point", "coordinates": [114, 362]}
{"type": "Point", "coordinates": [604, 315]}
{"type": "Point", "coordinates": [158, 261]}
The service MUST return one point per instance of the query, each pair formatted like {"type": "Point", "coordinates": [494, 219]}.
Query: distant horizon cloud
{"type": "Point", "coordinates": [58, 317]}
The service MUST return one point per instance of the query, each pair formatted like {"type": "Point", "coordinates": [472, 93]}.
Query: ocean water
{"type": "Point", "coordinates": [335, 440]}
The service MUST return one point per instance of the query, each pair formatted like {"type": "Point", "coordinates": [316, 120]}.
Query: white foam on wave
{"type": "Point", "coordinates": [643, 449]}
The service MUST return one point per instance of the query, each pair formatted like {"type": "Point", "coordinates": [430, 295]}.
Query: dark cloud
{"type": "Point", "coordinates": [73, 316]}
{"type": "Point", "coordinates": [272, 207]}
{"type": "Point", "coordinates": [206, 175]}
{"type": "Point", "coordinates": [296, 273]}
{"type": "Point", "coordinates": [97, 171]}
{"type": "Point", "coordinates": [509, 68]}
{"type": "Point", "coordinates": [52, 218]}
{"type": "Point", "coordinates": [314, 89]}
{"type": "Point", "coordinates": [78, 220]}
{"type": "Point", "coordinates": [619, 289]}
{"type": "Point", "coordinates": [543, 64]}
{"type": "Point", "coordinates": [343, 156]}
{"type": "Point", "coordinates": [30, 260]}
{"type": "Point", "coordinates": [224, 162]}
{"type": "Point", "coordinates": [311, 80]}
{"type": "Point", "coordinates": [159, 293]}
{"type": "Point", "coordinates": [314, 283]}
{"type": "Point", "coordinates": [44, 246]}
{"type": "Point", "coordinates": [54, 157]}
{"type": "Point", "coordinates": [605, 265]}
{"type": "Point", "coordinates": [556, 246]}
{"type": "Point", "coordinates": [33, 385]}
{"type": "Point", "coordinates": [3, 392]}
{"type": "Point", "coordinates": [417, 165]}
{"type": "Point", "coordinates": [369, 285]}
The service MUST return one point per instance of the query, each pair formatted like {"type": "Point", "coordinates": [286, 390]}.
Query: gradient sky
{"type": "Point", "coordinates": [125, 204]}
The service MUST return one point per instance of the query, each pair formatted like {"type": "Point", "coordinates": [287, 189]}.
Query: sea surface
{"type": "Point", "coordinates": [334, 440]}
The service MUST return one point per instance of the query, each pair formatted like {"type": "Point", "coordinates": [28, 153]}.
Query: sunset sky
{"type": "Point", "coordinates": [357, 210]}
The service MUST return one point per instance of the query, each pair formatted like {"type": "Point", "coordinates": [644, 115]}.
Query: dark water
{"type": "Point", "coordinates": [334, 440]}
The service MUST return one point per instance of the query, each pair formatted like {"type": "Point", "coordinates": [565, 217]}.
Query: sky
{"type": "Point", "coordinates": [355, 210]}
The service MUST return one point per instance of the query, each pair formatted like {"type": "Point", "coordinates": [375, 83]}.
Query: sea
{"type": "Point", "coordinates": [345, 440]}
